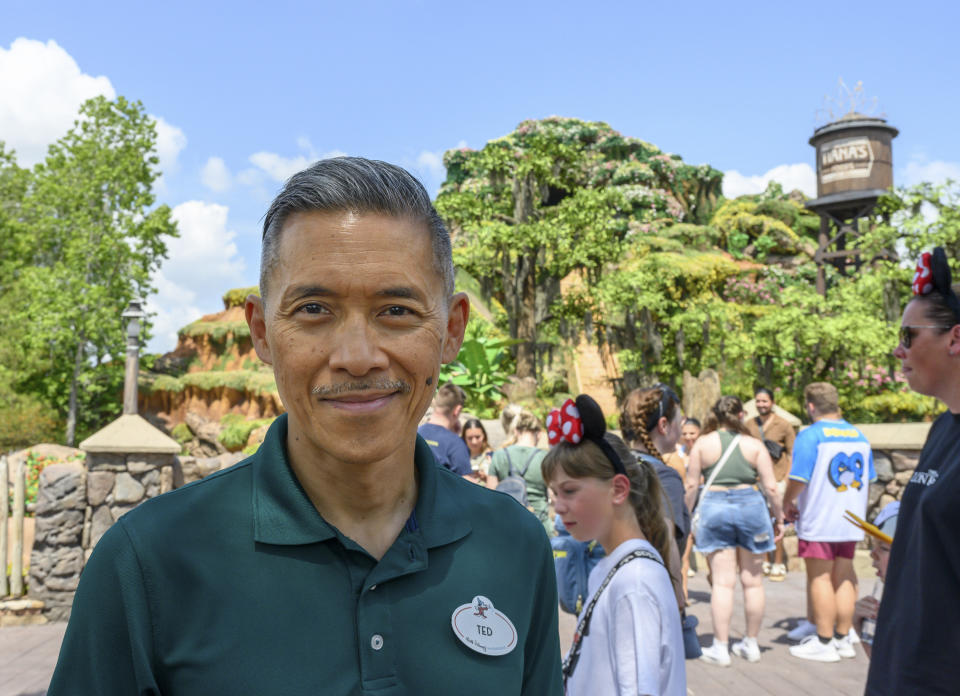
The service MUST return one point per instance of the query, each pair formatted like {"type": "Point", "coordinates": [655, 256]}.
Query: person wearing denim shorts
{"type": "Point", "coordinates": [735, 527]}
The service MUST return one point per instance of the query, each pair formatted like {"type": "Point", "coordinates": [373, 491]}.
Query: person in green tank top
{"type": "Point", "coordinates": [734, 527]}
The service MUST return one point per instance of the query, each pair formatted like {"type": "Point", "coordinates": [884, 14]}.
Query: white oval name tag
{"type": "Point", "coordinates": [481, 627]}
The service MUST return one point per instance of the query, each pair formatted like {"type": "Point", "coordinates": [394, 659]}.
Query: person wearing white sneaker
{"type": "Point", "coordinates": [844, 647]}
{"type": "Point", "coordinates": [717, 654]}
{"type": "Point", "coordinates": [831, 474]}
{"type": "Point", "coordinates": [734, 528]}
{"type": "Point", "coordinates": [816, 648]}
{"type": "Point", "coordinates": [747, 649]}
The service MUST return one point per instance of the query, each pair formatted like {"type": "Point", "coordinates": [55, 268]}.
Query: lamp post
{"type": "Point", "coordinates": [132, 315]}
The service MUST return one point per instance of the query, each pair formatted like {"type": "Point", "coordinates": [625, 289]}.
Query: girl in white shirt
{"type": "Point", "coordinates": [631, 637]}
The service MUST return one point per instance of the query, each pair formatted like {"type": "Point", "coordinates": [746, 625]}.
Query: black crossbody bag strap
{"type": "Point", "coordinates": [583, 626]}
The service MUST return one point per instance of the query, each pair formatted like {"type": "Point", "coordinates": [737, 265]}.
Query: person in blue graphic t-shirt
{"type": "Point", "coordinates": [831, 473]}
{"type": "Point", "coordinates": [442, 431]}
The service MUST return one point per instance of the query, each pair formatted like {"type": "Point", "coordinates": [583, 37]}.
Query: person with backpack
{"type": "Point", "coordinates": [628, 639]}
{"type": "Point", "coordinates": [515, 469]}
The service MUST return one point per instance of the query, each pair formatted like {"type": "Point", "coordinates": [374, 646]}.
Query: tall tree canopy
{"type": "Point", "coordinates": [86, 240]}
{"type": "Point", "coordinates": [555, 196]}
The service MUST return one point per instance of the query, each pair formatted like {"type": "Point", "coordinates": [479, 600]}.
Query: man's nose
{"type": "Point", "coordinates": [899, 352]}
{"type": "Point", "coordinates": [357, 348]}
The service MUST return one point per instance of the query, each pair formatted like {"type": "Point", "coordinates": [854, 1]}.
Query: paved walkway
{"type": "Point", "coordinates": [27, 657]}
{"type": "Point", "coordinates": [29, 653]}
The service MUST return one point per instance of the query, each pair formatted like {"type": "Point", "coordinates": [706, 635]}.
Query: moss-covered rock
{"type": "Point", "coordinates": [238, 296]}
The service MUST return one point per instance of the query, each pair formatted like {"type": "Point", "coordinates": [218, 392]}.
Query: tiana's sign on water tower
{"type": "Point", "coordinates": [854, 168]}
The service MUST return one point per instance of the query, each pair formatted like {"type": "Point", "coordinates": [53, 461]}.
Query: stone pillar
{"type": "Point", "coordinates": [117, 483]}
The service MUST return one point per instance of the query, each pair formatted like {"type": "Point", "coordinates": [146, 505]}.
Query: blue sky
{"type": "Point", "coordinates": [246, 93]}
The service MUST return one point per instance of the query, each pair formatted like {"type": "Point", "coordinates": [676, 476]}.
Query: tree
{"type": "Point", "coordinates": [555, 197]}
{"type": "Point", "coordinates": [94, 240]}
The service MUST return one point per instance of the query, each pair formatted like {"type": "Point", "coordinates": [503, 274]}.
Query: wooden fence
{"type": "Point", "coordinates": [15, 586]}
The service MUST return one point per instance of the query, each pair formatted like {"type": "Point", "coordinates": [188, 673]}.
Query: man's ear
{"type": "Point", "coordinates": [253, 309]}
{"type": "Point", "coordinates": [457, 319]}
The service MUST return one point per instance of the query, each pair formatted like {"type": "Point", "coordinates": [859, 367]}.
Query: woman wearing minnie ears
{"type": "Point", "coordinates": [918, 626]}
{"type": "Point", "coordinates": [628, 639]}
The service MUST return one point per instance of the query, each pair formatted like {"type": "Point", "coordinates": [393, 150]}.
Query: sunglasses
{"type": "Point", "coordinates": [906, 332]}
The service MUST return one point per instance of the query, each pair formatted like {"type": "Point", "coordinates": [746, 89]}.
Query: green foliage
{"type": "Point", "coordinates": [26, 420]}
{"type": "Point", "coordinates": [236, 430]}
{"type": "Point", "coordinates": [181, 433]}
{"type": "Point", "coordinates": [481, 368]}
{"type": "Point", "coordinates": [238, 296]}
{"type": "Point", "coordinates": [558, 197]}
{"type": "Point", "coordinates": [218, 331]}
{"type": "Point", "coordinates": [247, 381]}
{"type": "Point", "coordinates": [33, 467]}
{"type": "Point", "coordinates": [84, 238]}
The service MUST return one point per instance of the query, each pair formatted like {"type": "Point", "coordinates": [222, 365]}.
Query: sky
{"type": "Point", "coordinates": [247, 93]}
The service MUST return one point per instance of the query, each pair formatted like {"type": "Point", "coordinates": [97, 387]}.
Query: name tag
{"type": "Point", "coordinates": [481, 627]}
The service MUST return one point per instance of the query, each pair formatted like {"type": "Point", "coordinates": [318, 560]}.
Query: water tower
{"type": "Point", "coordinates": [854, 168]}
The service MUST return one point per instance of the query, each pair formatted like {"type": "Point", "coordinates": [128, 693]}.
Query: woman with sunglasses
{"type": "Point", "coordinates": [734, 527]}
{"type": "Point", "coordinates": [918, 626]}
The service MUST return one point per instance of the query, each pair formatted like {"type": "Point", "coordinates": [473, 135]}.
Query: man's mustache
{"type": "Point", "coordinates": [326, 390]}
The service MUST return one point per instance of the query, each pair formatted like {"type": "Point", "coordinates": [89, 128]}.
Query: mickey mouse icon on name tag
{"type": "Point", "coordinates": [483, 628]}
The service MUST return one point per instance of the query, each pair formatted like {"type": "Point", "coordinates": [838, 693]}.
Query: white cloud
{"type": "Point", "coordinates": [919, 170]}
{"type": "Point", "coordinates": [280, 168]}
{"type": "Point", "coordinates": [202, 263]}
{"type": "Point", "coordinates": [215, 175]}
{"type": "Point", "coordinates": [431, 163]}
{"type": "Point", "coordinates": [170, 142]}
{"type": "Point", "coordinates": [790, 176]}
{"type": "Point", "coordinates": [41, 90]}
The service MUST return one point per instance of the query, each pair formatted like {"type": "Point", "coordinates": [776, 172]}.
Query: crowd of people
{"type": "Point", "coordinates": [728, 488]}
{"type": "Point", "coordinates": [363, 566]}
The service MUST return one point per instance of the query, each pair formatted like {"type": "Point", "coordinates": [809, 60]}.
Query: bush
{"type": "Point", "coordinates": [181, 433]}
{"type": "Point", "coordinates": [25, 421]}
{"type": "Point", "coordinates": [238, 296]}
{"type": "Point", "coordinates": [237, 431]}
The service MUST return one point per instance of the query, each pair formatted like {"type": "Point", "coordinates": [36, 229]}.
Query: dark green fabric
{"type": "Point", "coordinates": [737, 471]}
{"type": "Point", "coordinates": [236, 585]}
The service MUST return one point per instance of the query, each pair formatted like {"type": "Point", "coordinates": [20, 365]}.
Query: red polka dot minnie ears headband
{"type": "Point", "coordinates": [581, 420]}
{"type": "Point", "coordinates": [933, 273]}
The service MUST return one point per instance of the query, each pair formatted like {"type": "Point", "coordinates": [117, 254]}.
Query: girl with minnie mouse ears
{"type": "Point", "coordinates": [628, 637]}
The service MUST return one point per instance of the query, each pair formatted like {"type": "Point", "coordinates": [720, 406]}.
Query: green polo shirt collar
{"type": "Point", "coordinates": [284, 515]}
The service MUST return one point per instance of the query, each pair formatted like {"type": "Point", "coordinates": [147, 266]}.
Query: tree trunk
{"type": "Point", "coordinates": [527, 321]}
{"type": "Point", "coordinates": [72, 407]}
{"type": "Point", "coordinates": [525, 281]}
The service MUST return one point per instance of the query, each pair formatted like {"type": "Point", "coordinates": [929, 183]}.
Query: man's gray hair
{"type": "Point", "coordinates": [356, 185]}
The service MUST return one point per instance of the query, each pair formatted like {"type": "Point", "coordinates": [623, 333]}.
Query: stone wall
{"type": "Point", "coordinates": [57, 556]}
{"type": "Point", "coordinates": [77, 503]}
{"type": "Point", "coordinates": [894, 469]}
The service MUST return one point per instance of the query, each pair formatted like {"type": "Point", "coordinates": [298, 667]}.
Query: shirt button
{"type": "Point", "coordinates": [376, 642]}
{"type": "Point", "coordinates": [373, 587]}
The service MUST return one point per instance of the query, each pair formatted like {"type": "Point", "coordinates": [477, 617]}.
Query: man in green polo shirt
{"type": "Point", "coordinates": [339, 559]}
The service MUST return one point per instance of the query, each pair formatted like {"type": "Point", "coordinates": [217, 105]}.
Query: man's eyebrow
{"type": "Point", "coordinates": [403, 292]}
{"type": "Point", "coordinates": [298, 292]}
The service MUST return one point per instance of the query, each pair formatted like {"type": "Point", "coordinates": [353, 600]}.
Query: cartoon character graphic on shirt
{"type": "Point", "coordinates": [846, 471]}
